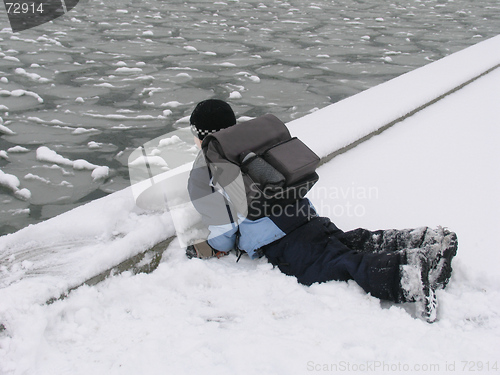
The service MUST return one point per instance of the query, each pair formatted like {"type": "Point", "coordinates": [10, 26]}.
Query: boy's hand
{"type": "Point", "coordinates": [220, 254]}
{"type": "Point", "coordinates": [203, 250]}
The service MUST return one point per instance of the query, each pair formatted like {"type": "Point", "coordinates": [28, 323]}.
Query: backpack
{"type": "Point", "coordinates": [272, 167]}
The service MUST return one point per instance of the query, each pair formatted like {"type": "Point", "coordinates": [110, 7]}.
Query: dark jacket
{"type": "Point", "coordinates": [227, 222]}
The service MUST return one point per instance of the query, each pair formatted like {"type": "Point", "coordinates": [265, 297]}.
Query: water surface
{"type": "Point", "coordinates": [109, 76]}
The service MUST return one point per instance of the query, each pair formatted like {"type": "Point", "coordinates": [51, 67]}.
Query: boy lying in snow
{"type": "Point", "coordinates": [395, 265]}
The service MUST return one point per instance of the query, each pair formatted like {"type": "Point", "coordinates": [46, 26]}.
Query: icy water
{"type": "Point", "coordinates": [80, 93]}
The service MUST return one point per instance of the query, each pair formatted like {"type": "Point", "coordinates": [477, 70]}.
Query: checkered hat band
{"type": "Point", "coordinates": [201, 131]}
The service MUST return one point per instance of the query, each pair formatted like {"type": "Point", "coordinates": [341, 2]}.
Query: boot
{"type": "Point", "coordinates": [441, 246]}
{"type": "Point", "coordinates": [416, 285]}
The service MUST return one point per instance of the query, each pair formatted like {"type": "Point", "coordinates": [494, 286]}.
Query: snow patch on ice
{"type": "Point", "coordinates": [18, 149]}
{"type": "Point", "coordinates": [100, 172]}
{"type": "Point", "coordinates": [235, 95]}
{"type": "Point", "coordinates": [45, 154]}
{"type": "Point", "coordinates": [32, 76]}
{"type": "Point", "coordinates": [126, 70]}
{"type": "Point", "coordinates": [169, 141]}
{"type": "Point", "coordinates": [6, 130]}
{"type": "Point", "coordinates": [21, 92]}
{"type": "Point", "coordinates": [12, 183]}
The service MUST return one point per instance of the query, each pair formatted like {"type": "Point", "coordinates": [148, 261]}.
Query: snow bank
{"type": "Point", "coordinates": [69, 249]}
{"type": "Point", "coordinates": [219, 316]}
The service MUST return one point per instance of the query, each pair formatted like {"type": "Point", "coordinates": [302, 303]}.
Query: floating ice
{"type": "Point", "coordinates": [235, 95]}
{"type": "Point", "coordinates": [94, 145]}
{"type": "Point", "coordinates": [81, 164]}
{"type": "Point", "coordinates": [128, 70]}
{"type": "Point", "coordinates": [21, 92]}
{"type": "Point", "coordinates": [23, 194]}
{"type": "Point", "coordinates": [172, 104]}
{"type": "Point", "coordinates": [31, 176]}
{"type": "Point", "coordinates": [100, 173]}
{"type": "Point", "coordinates": [12, 183]}
{"type": "Point", "coordinates": [6, 130]}
{"type": "Point", "coordinates": [32, 76]}
{"type": "Point", "coordinates": [122, 117]}
{"type": "Point", "coordinates": [155, 161]}
{"type": "Point", "coordinates": [18, 149]}
{"type": "Point", "coordinates": [78, 131]}
{"type": "Point", "coordinates": [45, 154]}
{"type": "Point", "coordinates": [11, 58]}
{"type": "Point", "coordinates": [169, 141]}
{"type": "Point", "coordinates": [20, 211]}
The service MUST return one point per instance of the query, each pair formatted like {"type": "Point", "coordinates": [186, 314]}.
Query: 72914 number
{"type": "Point", "coordinates": [23, 8]}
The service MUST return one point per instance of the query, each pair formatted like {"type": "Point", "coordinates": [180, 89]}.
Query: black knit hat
{"type": "Point", "coordinates": [211, 115]}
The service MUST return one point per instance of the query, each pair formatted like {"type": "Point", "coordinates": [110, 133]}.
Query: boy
{"type": "Point", "coordinates": [399, 266]}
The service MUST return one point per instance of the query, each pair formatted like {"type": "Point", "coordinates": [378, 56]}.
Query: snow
{"type": "Point", "coordinates": [33, 76]}
{"type": "Point", "coordinates": [43, 153]}
{"type": "Point", "coordinates": [169, 141]}
{"type": "Point", "coordinates": [6, 130]}
{"type": "Point", "coordinates": [235, 95]}
{"type": "Point", "coordinates": [21, 92]}
{"type": "Point", "coordinates": [436, 167]}
{"type": "Point", "coordinates": [128, 70]}
{"type": "Point", "coordinates": [446, 172]}
{"type": "Point", "coordinates": [9, 181]}
{"type": "Point", "coordinates": [12, 183]}
{"type": "Point", "coordinates": [100, 173]}
{"type": "Point", "coordinates": [18, 149]}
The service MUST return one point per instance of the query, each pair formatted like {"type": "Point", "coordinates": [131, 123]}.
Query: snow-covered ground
{"type": "Point", "coordinates": [437, 167]}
